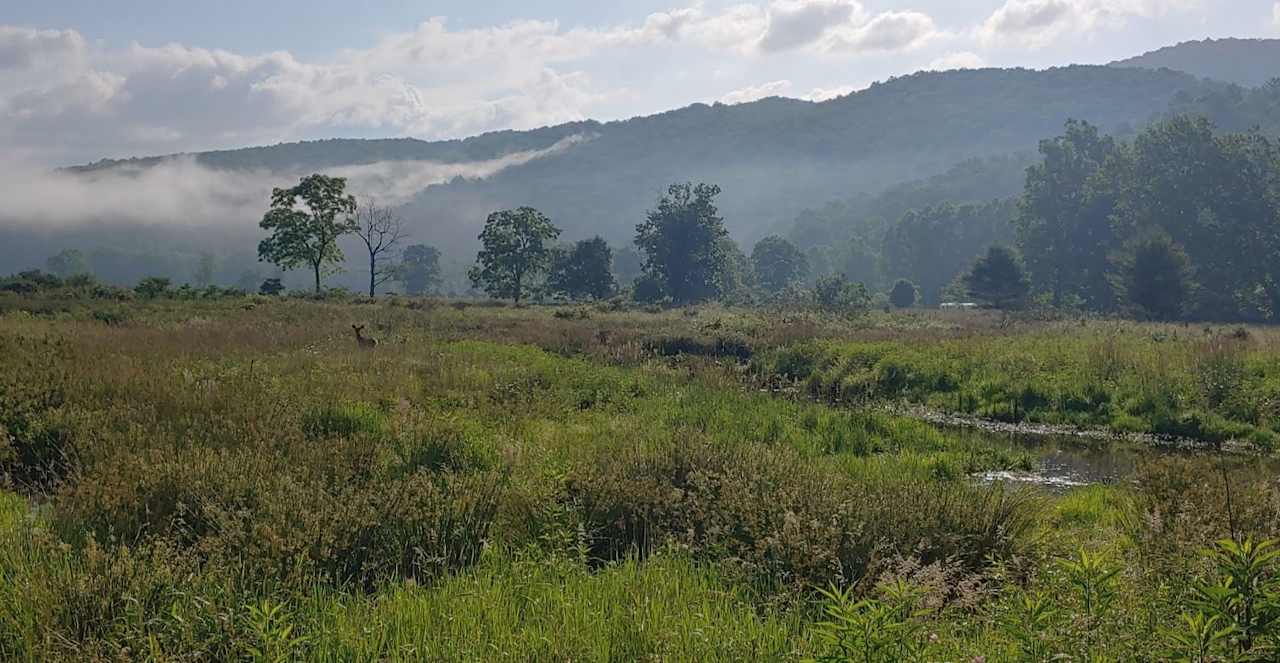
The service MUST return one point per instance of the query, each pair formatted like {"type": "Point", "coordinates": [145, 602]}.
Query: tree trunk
{"type": "Point", "coordinates": [316, 267]}
{"type": "Point", "coordinates": [373, 275]}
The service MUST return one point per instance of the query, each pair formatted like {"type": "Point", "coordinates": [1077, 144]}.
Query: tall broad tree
{"type": "Point", "coordinates": [305, 223]}
{"type": "Point", "coordinates": [1063, 221]}
{"type": "Point", "coordinates": [681, 242]}
{"type": "Point", "coordinates": [516, 248]}
{"type": "Point", "coordinates": [381, 231]}
{"type": "Point", "coordinates": [778, 263]}
{"type": "Point", "coordinates": [419, 269]}
{"type": "Point", "coordinates": [584, 271]}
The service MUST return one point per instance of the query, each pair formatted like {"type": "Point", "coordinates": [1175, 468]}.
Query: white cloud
{"type": "Point", "coordinates": [757, 92]}
{"type": "Point", "coordinates": [1037, 23]}
{"type": "Point", "coordinates": [890, 31]}
{"type": "Point", "coordinates": [791, 25]}
{"type": "Point", "coordinates": [796, 23]}
{"type": "Point", "coordinates": [960, 60]}
{"type": "Point", "coordinates": [1275, 14]}
{"type": "Point", "coordinates": [64, 100]}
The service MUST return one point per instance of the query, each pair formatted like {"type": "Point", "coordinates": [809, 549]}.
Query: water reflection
{"type": "Point", "coordinates": [1062, 463]}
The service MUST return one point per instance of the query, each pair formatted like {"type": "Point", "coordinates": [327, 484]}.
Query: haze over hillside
{"type": "Point", "coordinates": [774, 159]}
{"type": "Point", "coordinates": [1247, 62]}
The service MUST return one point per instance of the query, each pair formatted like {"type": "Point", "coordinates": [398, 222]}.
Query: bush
{"type": "Point", "coordinates": [152, 287]}
{"type": "Point", "coordinates": [787, 520]}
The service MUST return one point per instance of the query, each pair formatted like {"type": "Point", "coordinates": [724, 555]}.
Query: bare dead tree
{"type": "Point", "coordinates": [381, 230]}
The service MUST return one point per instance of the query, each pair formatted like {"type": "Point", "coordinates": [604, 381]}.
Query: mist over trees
{"type": "Point", "coordinates": [813, 191]}
{"type": "Point", "coordinates": [419, 270]}
{"type": "Point", "coordinates": [681, 240]}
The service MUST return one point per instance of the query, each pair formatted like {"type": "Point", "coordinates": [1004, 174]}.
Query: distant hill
{"type": "Point", "coordinates": [777, 157]}
{"type": "Point", "coordinates": [774, 158]}
{"type": "Point", "coordinates": [1247, 62]}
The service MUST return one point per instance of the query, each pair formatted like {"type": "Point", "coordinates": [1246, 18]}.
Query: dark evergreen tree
{"type": "Point", "coordinates": [903, 294]}
{"type": "Point", "coordinates": [1154, 275]}
{"type": "Point", "coordinates": [998, 279]}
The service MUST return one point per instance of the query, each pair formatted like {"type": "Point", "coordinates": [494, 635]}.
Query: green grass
{"type": "Point", "coordinates": [500, 484]}
{"type": "Point", "coordinates": [1201, 384]}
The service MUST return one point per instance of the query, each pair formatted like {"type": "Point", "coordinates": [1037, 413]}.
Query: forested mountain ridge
{"type": "Point", "coordinates": [774, 157]}
{"type": "Point", "coordinates": [1247, 62]}
{"type": "Point", "coordinates": [887, 149]}
{"type": "Point", "coordinates": [777, 157]}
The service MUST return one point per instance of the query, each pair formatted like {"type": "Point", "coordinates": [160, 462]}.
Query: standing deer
{"type": "Point", "coordinates": [362, 340]}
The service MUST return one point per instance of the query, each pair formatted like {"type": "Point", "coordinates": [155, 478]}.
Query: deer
{"type": "Point", "coordinates": [362, 340]}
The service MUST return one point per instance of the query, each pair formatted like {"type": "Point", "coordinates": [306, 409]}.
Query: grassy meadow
{"type": "Point", "coordinates": [213, 481]}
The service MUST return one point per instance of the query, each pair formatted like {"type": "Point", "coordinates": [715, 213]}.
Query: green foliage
{"type": "Point", "coordinates": [271, 287]}
{"type": "Point", "coordinates": [153, 287]}
{"type": "Point", "coordinates": [1062, 221]}
{"type": "Point", "coordinates": [509, 484]}
{"type": "Point", "coordinates": [936, 244]}
{"type": "Point", "coordinates": [1243, 598]}
{"type": "Point", "coordinates": [903, 294]}
{"type": "Point", "coordinates": [584, 271]}
{"type": "Point", "coordinates": [778, 263]}
{"type": "Point", "coordinates": [307, 234]}
{"type": "Point", "coordinates": [872, 630]}
{"type": "Point", "coordinates": [515, 250]}
{"type": "Point", "coordinates": [419, 269]}
{"type": "Point", "coordinates": [998, 280]}
{"type": "Point", "coordinates": [834, 293]}
{"type": "Point", "coordinates": [273, 635]}
{"type": "Point", "coordinates": [1154, 275]}
{"type": "Point", "coordinates": [681, 242]}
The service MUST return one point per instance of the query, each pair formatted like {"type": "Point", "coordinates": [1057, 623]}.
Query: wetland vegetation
{"type": "Point", "coordinates": [222, 480]}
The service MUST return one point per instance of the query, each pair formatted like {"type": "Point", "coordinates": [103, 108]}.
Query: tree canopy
{"type": "Point", "coordinates": [681, 243]}
{"type": "Point", "coordinates": [778, 263]}
{"type": "Point", "coordinates": [419, 269]}
{"type": "Point", "coordinates": [516, 248]}
{"type": "Point", "coordinates": [305, 223]}
{"type": "Point", "coordinates": [584, 271]}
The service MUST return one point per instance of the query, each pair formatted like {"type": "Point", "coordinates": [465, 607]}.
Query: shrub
{"type": "Point", "coordinates": [787, 520]}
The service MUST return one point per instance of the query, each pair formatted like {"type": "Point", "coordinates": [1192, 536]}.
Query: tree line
{"type": "Point", "coordinates": [1179, 222]}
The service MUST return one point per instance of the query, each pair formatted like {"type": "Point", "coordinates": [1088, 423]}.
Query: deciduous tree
{"type": "Point", "coordinates": [381, 231]}
{"type": "Point", "coordinates": [515, 249]}
{"type": "Point", "coordinates": [305, 223]}
{"type": "Point", "coordinates": [778, 263]}
{"type": "Point", "coordinates": [584, 271]}
{"type": "Point", "coordinates": [680, 240]}
{"type": "Point", "coordinates": [419, 269]}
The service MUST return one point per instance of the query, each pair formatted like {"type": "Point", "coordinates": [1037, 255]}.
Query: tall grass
{"type": "Point", "coordinates": [201, 482]}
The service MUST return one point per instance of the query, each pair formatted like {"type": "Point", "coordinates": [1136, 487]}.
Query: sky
{"type": "Point", "coordinates": [82, 80]}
